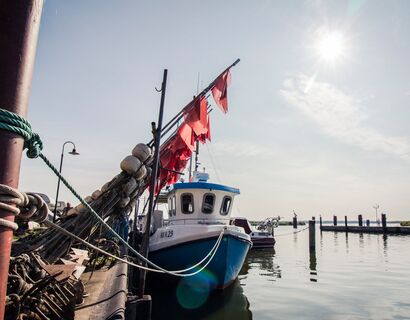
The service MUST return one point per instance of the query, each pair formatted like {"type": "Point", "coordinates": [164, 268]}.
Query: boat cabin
{"type": "Point", "coordinates": [200, 202]}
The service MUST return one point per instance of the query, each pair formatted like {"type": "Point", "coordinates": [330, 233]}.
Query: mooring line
{"type": "Point", "coordinates": [289, 233]}
{"type": "Point", "coordinates": [86, 243]}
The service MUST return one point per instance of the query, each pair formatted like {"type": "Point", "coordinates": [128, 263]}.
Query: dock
{"type": "Point", "coordinates": [360, 228]}
{"type": "Point", "coordinates": [365, 229]}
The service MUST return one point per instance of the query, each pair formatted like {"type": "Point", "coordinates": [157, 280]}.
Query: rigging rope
{"type": "Point", "coordinates": [32, 142]}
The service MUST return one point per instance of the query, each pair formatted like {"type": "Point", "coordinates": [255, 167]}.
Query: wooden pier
{"type": "Point", "coordinates": [360, 228]}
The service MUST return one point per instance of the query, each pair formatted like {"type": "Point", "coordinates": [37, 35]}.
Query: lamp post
{"type": "Point", "coordinates": [376, 207]}
{"type": "Point", "coordinates": [73, 152]}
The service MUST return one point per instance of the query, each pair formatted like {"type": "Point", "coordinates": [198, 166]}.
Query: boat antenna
{"type": "Point", "coordinates": [197, 142]}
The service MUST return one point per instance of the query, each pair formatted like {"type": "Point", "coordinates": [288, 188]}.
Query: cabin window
{"type": "Point", "coordinates": [173, 205]}
{"type": "Point", "coordinates": [208, 203]}
{"type": "Point", "coordinates": [170, 207]}
{"type": "Point", "coordinates": [187, 203]}
{"type": "Point", "coordinates": [226, 205]}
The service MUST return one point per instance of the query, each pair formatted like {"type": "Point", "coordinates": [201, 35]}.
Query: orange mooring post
{"type": "Point", "coordinates": [19, 25]}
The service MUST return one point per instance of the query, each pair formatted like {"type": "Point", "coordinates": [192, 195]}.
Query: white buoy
{"type": "Point", "coordinates": [106, 186]}
{"type": "Point", "coordinates": [141, 173]}
{"type": "Point", "coordinates": [141, 151]}
{"type": "Point", "coordinates": [80, 208]}
{"type": "Point", "coordinates": [130, 165]}
{"type": "Point", "coordinates": [96, 194]}
{"type": "Point", "coordinates": [123, 202]}
{"type": "Point", "coordinates": [72, 211]}
{"type": "Point", "coordinates": [130, 186]}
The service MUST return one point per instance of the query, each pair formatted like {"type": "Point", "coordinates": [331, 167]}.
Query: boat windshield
{"type": "Point", "coordinates": [187, 203]}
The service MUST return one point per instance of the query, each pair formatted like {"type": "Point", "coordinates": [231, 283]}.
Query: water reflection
{"type": "Point", "coordinates": [385, 246]}
{"type": "Point", "coordinates": [230, 303]}
{"type": "Point", "coordinates": [313, 266]}
{"type": "Point", "coordinates": [347, 242]}
{"type": "Point", "coordinates": [361, 240]}
{"type": "Point", "coordinates": [262, 260]}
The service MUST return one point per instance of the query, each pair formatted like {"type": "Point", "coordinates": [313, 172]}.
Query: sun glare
{"type": "Point", "coordinates": [330, 46]}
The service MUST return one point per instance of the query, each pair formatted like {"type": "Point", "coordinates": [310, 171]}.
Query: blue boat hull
{"type": "Point", "coordinates": [219, 273]}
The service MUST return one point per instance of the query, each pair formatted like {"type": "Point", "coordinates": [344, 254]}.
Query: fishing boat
{"type": "Point", "coordinates": [262, 236]}
{"type": "Point", "coordinates": [198, 230]}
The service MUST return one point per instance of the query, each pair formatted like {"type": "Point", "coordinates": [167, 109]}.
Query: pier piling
{"type": "Point", "coordinates": [139, 308]}
{"type": "Point", "coordinates": [19, 27]}
{"type": "Point", "coordinates": [360, 220]}
{"type": "Point", "coordinates": [295, 222]}
{"type": "Point", "coordinates": [346, 222]}
{"type": "Point", "coordinates": [384, 222]}
{"type": "Point", "coordinates": [312, 236]}
{"type": "Point", "coordinates": [320, 223]}
{"type": "Point", "coordinates": [335, 220]}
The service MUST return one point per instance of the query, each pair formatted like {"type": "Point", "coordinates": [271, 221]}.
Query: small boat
{"type": "Point", "coordinates": [199, 214]}
{"type": "Point", "coordinates": [262, 237]}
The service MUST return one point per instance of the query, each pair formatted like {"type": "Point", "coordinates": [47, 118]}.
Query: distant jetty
{"type": "Point", "coordinates": [365, 227]}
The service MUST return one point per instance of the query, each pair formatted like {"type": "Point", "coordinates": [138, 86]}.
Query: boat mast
{"type": "Point", "coordinates": [174, 121]}
{"type": "Point", "coordinates": [196, 156]}
{"type": "Point", "coordinates": [157, 142]}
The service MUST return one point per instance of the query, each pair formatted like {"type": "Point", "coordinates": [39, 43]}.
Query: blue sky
{"type": "Point", "coordinates": [301, 134]}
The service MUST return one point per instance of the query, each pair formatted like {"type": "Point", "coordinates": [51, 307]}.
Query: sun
{"type": "Point", "coordinates": [330, 46]}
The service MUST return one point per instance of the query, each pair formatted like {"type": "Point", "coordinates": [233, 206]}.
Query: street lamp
{"type": "Point", "coordinates": [376, 207]}
{"type": "Point", "coordinates": [73, 152]}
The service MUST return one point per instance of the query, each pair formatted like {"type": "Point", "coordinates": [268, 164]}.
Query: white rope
{"type": "Point", "coordinates": [9, 224]}
{"type": "Point", "coordinates": [10, 195]}
{"type": "Point", "coordinates": [213, 251]}
{"type": "Point", "coordinates": [11, 200]}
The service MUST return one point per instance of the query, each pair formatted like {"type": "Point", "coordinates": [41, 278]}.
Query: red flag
{"type": "Point", "coordinates": [207, 135]}
{"type": "Point", "coordinates": [197, 116]}
{"type": "Point", "coordinates": [185, 136]}
{"type": "Point", "coordinates": [220, 91]}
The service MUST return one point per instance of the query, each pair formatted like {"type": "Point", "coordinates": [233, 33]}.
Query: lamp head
{"type": "Point", "coordinates": [74, 152]}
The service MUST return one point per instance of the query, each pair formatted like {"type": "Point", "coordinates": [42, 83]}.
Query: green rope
{"type": "Point", "coordinates": [12, 122]}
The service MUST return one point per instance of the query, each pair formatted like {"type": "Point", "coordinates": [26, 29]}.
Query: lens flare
{"type": "Point", "coordinates": [192, 292]}
{"type": "Point", "coordinates": [330, 46]}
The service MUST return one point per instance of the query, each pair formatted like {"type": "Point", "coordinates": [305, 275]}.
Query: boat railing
{"type": "Point", "coordinates": [198, 221]}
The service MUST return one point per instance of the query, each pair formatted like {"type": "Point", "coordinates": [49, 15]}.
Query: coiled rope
{"type": "Point", "coordinates": [32, 142]}
{"type": "Point", "coordinates": [26, 205]}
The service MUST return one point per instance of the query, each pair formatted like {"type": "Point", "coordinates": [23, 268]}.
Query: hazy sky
{"type": "Point", "coordinates": [303, 133]}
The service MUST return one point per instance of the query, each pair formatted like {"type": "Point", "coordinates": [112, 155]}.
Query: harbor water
{"type": "Point", "coordinates": [350, 276]}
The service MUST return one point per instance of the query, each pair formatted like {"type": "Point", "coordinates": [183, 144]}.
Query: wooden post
{"type": "Point", "coordinates": [346, 222]}
{"type": "Point", "coordinates": [335, 220]}
{"type": "Point", "coordinates": [384, 222]}
{"type": "Point", "coordinates": [312, 235]}
{"type": "Point", "coordinates": [360, 220]}
{"type": "Point", "coordinates": [295, 222]}
{"type": "Point", "coordinates": [320, 222]}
